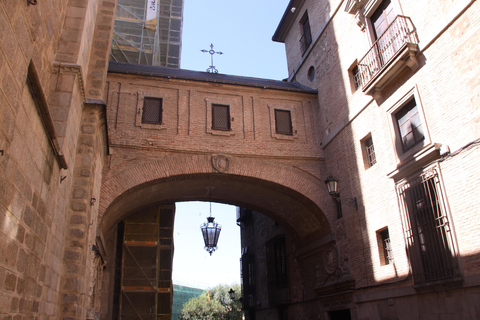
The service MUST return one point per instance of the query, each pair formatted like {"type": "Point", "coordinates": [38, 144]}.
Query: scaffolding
{"type": "Point", "coordinates": [148, 32]}
{"type": "Point", "coordinates": [181, 295]}
{"type": "Point", "coordinates": [146, 289]}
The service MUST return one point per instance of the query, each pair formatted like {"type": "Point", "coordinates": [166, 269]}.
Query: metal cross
{"type": "Point", "coordinates": [212, 68]}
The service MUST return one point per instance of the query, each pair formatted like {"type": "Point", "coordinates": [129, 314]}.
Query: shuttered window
{"type": "Point", "coordinates": [283, 122]}
{"type": "Point", "coordinates": [152, 111]}
{"type": "Point", "coordinates": [220, 117]}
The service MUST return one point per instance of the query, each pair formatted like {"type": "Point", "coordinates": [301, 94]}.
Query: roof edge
{"type": "Point", "coordinates": [286, 21]}
{"type": "Point", "coordinates": [201, 76]}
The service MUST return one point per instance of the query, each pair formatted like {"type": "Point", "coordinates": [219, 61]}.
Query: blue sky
{"type": "Point", "coordinates": [243, 31]}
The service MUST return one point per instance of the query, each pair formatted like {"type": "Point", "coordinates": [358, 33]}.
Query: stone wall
{"type": "Point", "coordinates": [45, 51]}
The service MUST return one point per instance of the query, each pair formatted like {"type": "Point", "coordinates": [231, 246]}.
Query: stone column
{"type": "Point", "coordinates": [79, 260]}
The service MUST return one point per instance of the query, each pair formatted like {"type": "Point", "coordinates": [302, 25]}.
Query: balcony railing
{"type": "Point", "coordinates": [398, 34]}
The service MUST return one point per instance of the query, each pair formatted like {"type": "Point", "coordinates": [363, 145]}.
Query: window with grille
{"type": "Point", "coordinates": [409, 124]}
{"type": "Point", "coordinates": [306, 38]}
{"type": "Point", "coordinates": [152, 111]}
{"type": "Point", "coordinates": [277, 271]}
{"type": "Point", "coordinates": [283, 122]}
{"type": "Point", "coordinates": [427, 228]}
{"type": "Point", "coordinates": [357, 78]}
{"type": "Point", "coordinates": [384, 247]}
{"type": "Point", "coordinates": [370, 152]}
{"type": "Point", "coordinates": [248, 280]}
{"type": "Point", "coordinates": [220, 117]}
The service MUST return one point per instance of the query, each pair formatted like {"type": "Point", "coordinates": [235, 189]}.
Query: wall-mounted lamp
{"type": "Point", "coordinates": [92, 201]}
{"type": "Point", "coordinates": [232, 295]}
{"type": "Point", "coordinates": [332, 186]}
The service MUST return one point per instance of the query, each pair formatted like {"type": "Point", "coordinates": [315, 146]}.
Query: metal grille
{"type": "Point", "coordinates": [370, 152]}
{"type": "Point", "coordinates": [428, 234]}
{"type": "Point", "coordinates": [283, 122]}
{"type": "Point", "coordinates": [388, 250]}
{"type": "Point", "coordinates": [152, 111]}
{"type": "Point", "coordinates": [220, 117]}
{"type": "Point", "coordinates": [357, 78]}
{"type": "Point", "coordinates": [306, 38]}
{"type": "Point", "coordinates": [400, 32]}
{"type": "Point", "coordinates": [248, 280]}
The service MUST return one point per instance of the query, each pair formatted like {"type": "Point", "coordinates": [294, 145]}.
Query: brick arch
{"type": "Point", "coordinates": [288, 195]}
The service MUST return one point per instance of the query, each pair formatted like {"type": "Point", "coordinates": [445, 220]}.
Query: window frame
{"type": "Point", "coordinates": [233, 109]}
{"type": "Point", "coordinates": [409, 110]}
{"type": "Point", "coordinates": [420, 240]}
{"type": "Point", "coordinates": [367, 159]}
{"type": "Point", "coordinates": [277, 270]}
{"type": "Point", "coordinates": [214, 123]}
{"type": "Point", "coordinates": [278, 112]}
{"type": "Point", "coordinates": [142, 95]}
{"type": "Point", "coordinates": [283, 107]}
{"type": "Point", "coordinates": [369, 9]}
{"type": "Point", "coordinates": [400, 153]}
{"type": "Point", "coordinates": [306, 34]}
{"type": "Point", "coordinates": [160, 100]}
{"type": "Point", "coordinates": [385, 251]}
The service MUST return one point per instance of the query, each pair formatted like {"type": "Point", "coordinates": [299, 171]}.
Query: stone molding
{"type": "Point", "coordinates": [71, 68]}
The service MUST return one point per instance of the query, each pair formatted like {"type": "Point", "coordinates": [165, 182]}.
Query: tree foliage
{"type": "Point", "coordinates": [214, 304]}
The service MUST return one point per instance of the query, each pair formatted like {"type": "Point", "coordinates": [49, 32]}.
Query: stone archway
{"type": "Point", "coordinates": [288, 195]}
{"type": "Point", "coordinates": [284, 193]}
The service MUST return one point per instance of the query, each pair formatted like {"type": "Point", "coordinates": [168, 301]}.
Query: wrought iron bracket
{"type": "Point", "coordinates": [32, 2]}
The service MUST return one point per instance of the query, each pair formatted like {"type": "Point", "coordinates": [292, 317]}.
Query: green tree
{"type": "Point", "coordinates": [214, 304]}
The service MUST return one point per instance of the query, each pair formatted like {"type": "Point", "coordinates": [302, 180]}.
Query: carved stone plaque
{"type": "Point", "coordinates": [330, 259]}
{"type": "Point", "coordinates": [221, 163]}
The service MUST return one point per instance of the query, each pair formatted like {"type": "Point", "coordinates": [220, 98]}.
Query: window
{"type": "Point", "coordinates": [393, 40]}
{"type": "Point", "coordinates": [409, 125]}
{"type": "Point", "coordinates": [277, 271]}
{"type": "Point", "coordinates": [248, 279]}
{"type": "Point", "coordinates": [340, 315]}
{"type": "Point", "coordinates": [427, 227]}
{"type": "Point", "coordinates": [409, 129]}
{"type": "Point", "coordinates": [382, 18]}
{"type": "Point", "coordinates": [311, 73]}
{"type": "Point", "coordinates": [283, 122]}
{"type": "Point", "coordinates": [220, 117]}
{"type": "Point", "coordinates": [368, 151]}
{"type": "Point", "coordinates": [338, 206]}
{"type": "Point", "coordinates": [152, 111]}
{"type": "Point", "coordinates": [384, 248]}
{"type": "Point", "coordinates": [306, 38]}
{"type": "Point", "coordinates": [357, 78]}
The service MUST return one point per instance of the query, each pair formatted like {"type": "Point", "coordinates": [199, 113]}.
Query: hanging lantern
{"type": "Point", "coordinates": [211, 232]}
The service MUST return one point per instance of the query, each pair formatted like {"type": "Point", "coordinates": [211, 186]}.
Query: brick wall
{"type": "Point", "coordinates": [446, 88]}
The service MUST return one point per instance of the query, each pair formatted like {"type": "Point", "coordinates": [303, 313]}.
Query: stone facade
{"type": "Point", "coordinates": [76, 158]}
